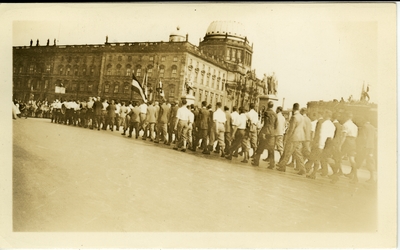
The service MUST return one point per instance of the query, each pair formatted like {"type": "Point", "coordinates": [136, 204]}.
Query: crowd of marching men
{"type": "Point", "coordinates": [312, 144]}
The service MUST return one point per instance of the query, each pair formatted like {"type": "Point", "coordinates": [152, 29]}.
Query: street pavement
{"type": "Point", "coordinates": [71, 179]}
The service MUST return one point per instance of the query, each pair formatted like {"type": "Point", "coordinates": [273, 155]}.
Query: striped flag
{"type": "Point", "coordinates": [137, 87]}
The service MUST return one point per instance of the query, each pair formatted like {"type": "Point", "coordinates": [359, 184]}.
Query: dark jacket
{"type": "Point", "coordinates": [204, 118]}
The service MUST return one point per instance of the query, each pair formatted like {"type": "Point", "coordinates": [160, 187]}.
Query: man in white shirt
{"type": "Point", "coordinates": [143, 115]}
{"type": "Point", "coordinates": [117, 115]}
{"type": "Point", "coordinates": [104, 115]}
{"type": "Point", "coordinates": [349, 145]}
{"type": "Point", "coordinates": [190, 127]}
{"type": "Point", "coordinates": [324, 143]}
{"type": "Point", "coordinates": [253, 117]}
{"type": "Point", "coordinates": [181, 126]}
{"type": "Point", "coordinates": [123, 111]}
{"type": "Point", "coordinates": [280, 130]}
{"type": "Point", "coordinates": [238, 132]}
{"type": "Point", "coordinates": [219, 119]}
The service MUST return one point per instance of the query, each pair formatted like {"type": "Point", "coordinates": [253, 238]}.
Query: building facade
{"type": "Point", "coordinates": [219, 69]}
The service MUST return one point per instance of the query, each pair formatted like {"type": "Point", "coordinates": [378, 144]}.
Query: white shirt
{"type": "Point", "coordinates": [240, 121]}
{"type": "Point", "coordinates": [77, 106]}
{"type": "Point", "coordinates": [281, 126]}
{"type": "Point", "coordinates": [327, 131]}
{"type": "Point", "coordinates": [350, 128]}
{"type": "Point", "coordinates": [219, 116]}
{"type": "Point", "coordinates": [234, 116]}
{"type": "Point", "coordinates": [253, 116]}
{"type": "Point", "coordinates": [105, 105]}
{"type": "Point", "coordinates": [183, 113]}
{"type": "Point", "coordinates": [191, 117]}
{"type": "Point", "coordinates": [314, 125]}
{"type": "Point", "coordinates": [117, 108]}
{"type": "Point", "coordinates": [143, 108]}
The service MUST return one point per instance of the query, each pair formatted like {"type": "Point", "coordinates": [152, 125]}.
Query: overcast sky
{"type": "Point", "coordinates": [317, 51]}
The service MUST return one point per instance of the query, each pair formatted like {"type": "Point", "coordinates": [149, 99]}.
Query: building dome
{"type": "Point", "coordinates": [231, 29]}
{"type": "Point", "coordinates": [177, 36]}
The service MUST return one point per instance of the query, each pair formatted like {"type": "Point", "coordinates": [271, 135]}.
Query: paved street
{"type": "Point", "coordinates": [69, 178]}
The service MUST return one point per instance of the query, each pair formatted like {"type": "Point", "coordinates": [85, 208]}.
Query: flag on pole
{"type": "Point", "coordinates": [137, 87]}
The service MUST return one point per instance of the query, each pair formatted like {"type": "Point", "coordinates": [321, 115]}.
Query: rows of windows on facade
{"type": "Point", "coordinates": [94, 70]}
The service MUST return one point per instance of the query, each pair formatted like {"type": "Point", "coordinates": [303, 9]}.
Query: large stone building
{"type": "Point", "coordinates": [219, 69]}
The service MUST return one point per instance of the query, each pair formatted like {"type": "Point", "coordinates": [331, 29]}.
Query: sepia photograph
{"type": "Point", "coordinates": [199, 125]}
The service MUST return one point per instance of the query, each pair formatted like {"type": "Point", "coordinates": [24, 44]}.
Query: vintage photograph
{"type": "Point", "coordinates": [203, 118]}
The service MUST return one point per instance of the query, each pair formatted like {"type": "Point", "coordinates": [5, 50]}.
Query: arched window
{"type": "Point", "coordinates": [149, 70]}
{"type": "Point", "coordinates": [118, 70]}
{"type": "Point", "coordinates": [106, 87]}
{"type": "Point", "coordinates": [68, 70]}
{"type": "Point", "coordinates": [109, 66]}
{"type": "Point", "coordinates": [31, 69]}
{"type": "Point", "coordinates": [116, 87]}
{"type": "Point", "coordinates": [61, 69]}
{"type": "Point", "coordinates": [128, 70]}
{"type": "Point", "coordinates": [84, 70]}
{"type": "Point", "coordinates": [138, 70]}
{"type": "Point", "coordinates": [74, 86]}
{"type": "Point", "coordinates": [48, 68]}
{"type": "Point", "coordinates": [174, 69]}
{"type": "Point", "coordinates": [81, 86]}
{"type": "Point", "coordinates": [90, 87]}
{"type": "Point", "coordinates": [126, 88]}
{"type": "Point", "coordinates": [76, 70]}
{"type": "Point", "coordinates": [162, 70]}
{"type": "Point", "coordinates": [171, 91]}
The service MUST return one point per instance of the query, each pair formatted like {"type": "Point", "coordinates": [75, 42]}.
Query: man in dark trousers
{"type": "Point", "coordinates": [171, 122]}
{"type": "Point", "coordinates": [195, 131]}
{"type": "Point", "coordinates": [97, 108]}
{"type": "Point", "coordinates": [111, 114]}
{"type": "Point", "coordinates": [164, 112]}
{"type": "Point", "coordinates": [267, 137]}
{"type": "Point", "coordinates": [204, 120]}
{"type": "Point", "coordinates": [228, 129]}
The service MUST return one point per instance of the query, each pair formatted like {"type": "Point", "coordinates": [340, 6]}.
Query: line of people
{"type": "Point", "coordinates": [312, 146]}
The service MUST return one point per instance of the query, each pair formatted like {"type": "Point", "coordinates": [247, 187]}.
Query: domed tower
{"type": "Point", "coordinates": [227, 41]}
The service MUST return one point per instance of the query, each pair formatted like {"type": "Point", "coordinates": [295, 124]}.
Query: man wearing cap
{"type": "Point", "coordinates": [267, 137]}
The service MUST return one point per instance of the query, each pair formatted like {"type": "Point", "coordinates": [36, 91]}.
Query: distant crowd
{"type": "Point", "coordinates": [310, 143]}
